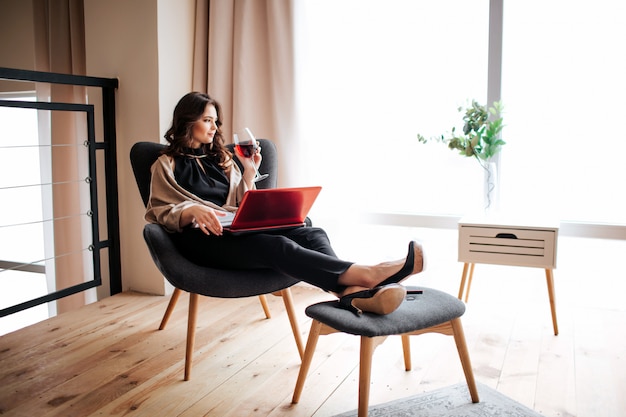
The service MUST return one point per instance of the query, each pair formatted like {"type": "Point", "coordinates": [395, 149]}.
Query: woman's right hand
{"type": "Point", "coordinates": [206, 219]}
{"type": "Point", "coordinates": [250, 166]}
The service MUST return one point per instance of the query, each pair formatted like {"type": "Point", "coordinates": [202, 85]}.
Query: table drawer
{"type": "Point", "coordinates": [507, 246]}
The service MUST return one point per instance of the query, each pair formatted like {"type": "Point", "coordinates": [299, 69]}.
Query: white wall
{"type": "Point", "coordinates": [176, 21]}
{"type": "Point", "coordinates": [146, 45]}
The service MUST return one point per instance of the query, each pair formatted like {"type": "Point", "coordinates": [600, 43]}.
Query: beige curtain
{"type": "Point", "coordinates": [244, 58]}
{"type": "Point", "coordinates": [60, 47]}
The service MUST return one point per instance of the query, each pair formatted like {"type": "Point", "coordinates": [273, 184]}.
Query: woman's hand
{"type": "Point", "coordinates": [203, 217]}
{"type": "Point", "coordinates": [250, 166]}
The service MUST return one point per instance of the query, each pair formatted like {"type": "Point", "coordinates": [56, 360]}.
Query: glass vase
{"type": "Point", "coordinates": [491, 201]}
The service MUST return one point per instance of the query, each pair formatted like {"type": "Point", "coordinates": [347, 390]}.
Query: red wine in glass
{"type": "Point", "coordinates": [246, 149]}
{"type": "Point", "coordinates": [246, 146]}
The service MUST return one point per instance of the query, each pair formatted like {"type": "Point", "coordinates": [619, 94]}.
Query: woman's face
{"type": "Point", "coordinates": [204, 128]}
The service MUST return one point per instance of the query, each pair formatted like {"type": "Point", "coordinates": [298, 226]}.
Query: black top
{"type": "Point", "coordinates": [208, 182]}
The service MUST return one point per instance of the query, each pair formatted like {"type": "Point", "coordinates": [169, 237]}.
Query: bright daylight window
{"type": "Point", "coordinates": [20, 221]}
{"type": "Point", "coordinates": [373, 74]}
{"type": "Point", "coordinates": [564, 89]}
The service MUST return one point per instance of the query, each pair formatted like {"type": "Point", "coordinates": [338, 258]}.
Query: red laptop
{"type": "Point", "coordinates": [271, 209]}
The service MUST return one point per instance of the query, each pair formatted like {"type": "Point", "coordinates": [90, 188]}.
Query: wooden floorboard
{"type": "Point", "coordinates": [109, 359]}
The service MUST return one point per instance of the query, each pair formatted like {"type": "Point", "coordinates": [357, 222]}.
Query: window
{"type": "Point", "coordinates": [374, 74]}
{"type": "Point", "coordinates": [564, 89]}
{"type": "Point", "coordinates": [21, 226]}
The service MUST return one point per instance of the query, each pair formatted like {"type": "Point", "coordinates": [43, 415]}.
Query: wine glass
{"type": "Point", "coordinates": [246, 146]}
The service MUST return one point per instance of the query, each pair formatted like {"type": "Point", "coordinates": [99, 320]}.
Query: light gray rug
{"type": "Point", "coordinates": [451, 401]}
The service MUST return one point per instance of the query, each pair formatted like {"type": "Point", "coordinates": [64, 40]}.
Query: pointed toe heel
{"type": "Point", "coordinates": [414, 264]}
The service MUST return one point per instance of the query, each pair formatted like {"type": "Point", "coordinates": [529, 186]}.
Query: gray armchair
{"type": "Point", "coordinates": [199, 280]}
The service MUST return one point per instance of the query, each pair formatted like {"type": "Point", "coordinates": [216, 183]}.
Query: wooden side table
{"type": "Point", "coordinates": [493, 240]}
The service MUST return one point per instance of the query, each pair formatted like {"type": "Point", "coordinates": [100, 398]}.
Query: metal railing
{"type": "Point", "coordinates": [101, 157]}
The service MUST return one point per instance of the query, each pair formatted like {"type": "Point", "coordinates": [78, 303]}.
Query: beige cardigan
{"type": "Point", "coordinates": [168, 199]}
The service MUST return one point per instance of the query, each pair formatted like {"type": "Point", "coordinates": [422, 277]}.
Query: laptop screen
{"type": "Point", "coordinates": [274, 207]}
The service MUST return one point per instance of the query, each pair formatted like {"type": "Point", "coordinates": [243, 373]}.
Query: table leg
{"type": "Point", "coordinates": [463, 278]}
{"type": "Point", "coordinates": [466, 267]}
{"type": "Point", "coordinates": [551, 295]}
{"type": "Point", "coordinates": [469, 281]}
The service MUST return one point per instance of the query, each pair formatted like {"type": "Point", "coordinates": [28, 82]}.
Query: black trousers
{"type": "Point", "coordinates": [304, 253]}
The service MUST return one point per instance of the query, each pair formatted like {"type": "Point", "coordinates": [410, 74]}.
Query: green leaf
{"type": "Point", "coordinates": [481, 128]}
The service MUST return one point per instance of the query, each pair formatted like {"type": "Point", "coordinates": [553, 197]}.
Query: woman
{"type": "Point", "coordinates": [195, 181]}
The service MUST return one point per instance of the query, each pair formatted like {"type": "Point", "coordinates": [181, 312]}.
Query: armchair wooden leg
{"type": "Point", "coordinates": [170, 308]}
{"type": "Point", "coordinates": [293, 320]}
{"type": "Point", "coordinates": [311, 344]}
{"type": "Point", "coordinates": [191, 333]}
{"type": "Point", "coordinates": [266, 308]}
{"type": "Point", "coordinates": [461, 345]}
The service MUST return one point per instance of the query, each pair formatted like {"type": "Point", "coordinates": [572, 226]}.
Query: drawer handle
{"type": "Point", "coordinates": [506, 236]}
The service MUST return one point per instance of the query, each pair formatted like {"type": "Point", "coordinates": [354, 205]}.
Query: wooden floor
{"type": "Point", "coordinates": [109, 358]}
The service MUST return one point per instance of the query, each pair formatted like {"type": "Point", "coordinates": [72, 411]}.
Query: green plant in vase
{"type": "Point", "coordinates": [480, 138]}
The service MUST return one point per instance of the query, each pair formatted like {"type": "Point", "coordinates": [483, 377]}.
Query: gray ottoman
{"type": "Point", "coordinates": [425, 312]}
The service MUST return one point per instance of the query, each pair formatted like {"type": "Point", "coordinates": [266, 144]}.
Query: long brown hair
{"type": "Point", "coordinates": [187, 112]}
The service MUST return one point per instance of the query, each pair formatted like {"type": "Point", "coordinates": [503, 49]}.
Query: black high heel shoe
{"type": "Point", "coordinates": [379, 300]}
{"type": "Point", "coordinates": [407, 268]}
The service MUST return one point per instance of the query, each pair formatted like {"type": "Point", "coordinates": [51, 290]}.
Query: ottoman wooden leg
{"type": "Point", "coordinates": [406, 349]}
{"type": "Point", "coordinates": [311, 344]}
{"type": "Point", "coordinates": [365, 373]}
{"type": "Point", "coordinates": [368, 345]}
{"type": "Point", "coordinates": [461, 345]}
